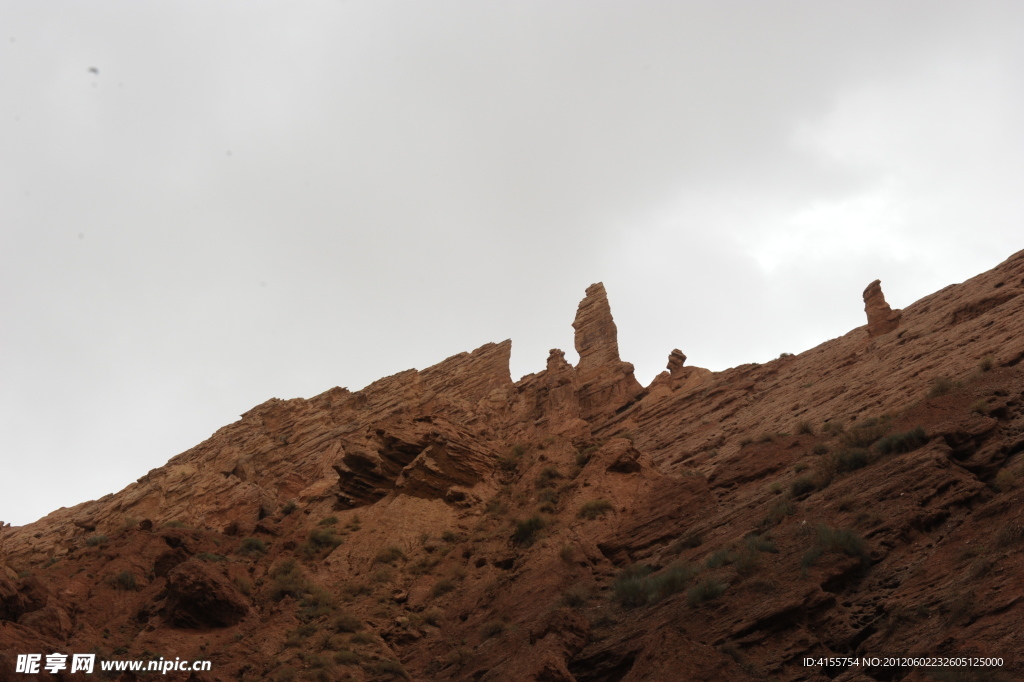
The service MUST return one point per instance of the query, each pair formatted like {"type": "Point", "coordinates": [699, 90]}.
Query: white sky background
{"type": "Point", "coordinates": [255, 200]}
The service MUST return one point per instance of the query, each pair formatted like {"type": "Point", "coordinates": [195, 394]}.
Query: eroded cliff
{"type": "Point", "coordinates": [450, 523]}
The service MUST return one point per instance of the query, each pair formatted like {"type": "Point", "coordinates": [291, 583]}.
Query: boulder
{"type": "Point", "coordinates": [197, 597]}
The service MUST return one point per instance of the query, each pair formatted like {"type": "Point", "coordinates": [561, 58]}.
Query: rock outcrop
{"type": "Point", "coordinates": [451, 524]}
{"type": "Point", "coordinates": [604, 381]}
{"type": "Point", "coordinates": [881, 318]}
{"type": "Point", "coordinates": [198, 597]}
{"type": "Point", "coordinates": [677, 377]}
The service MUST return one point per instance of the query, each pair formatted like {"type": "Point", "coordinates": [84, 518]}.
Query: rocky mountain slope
{"type": "Point", "coordinates": [861, 499]}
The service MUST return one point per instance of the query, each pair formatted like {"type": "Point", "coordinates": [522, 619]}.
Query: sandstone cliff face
{"type": "Point", "coordinates": [455, 525]}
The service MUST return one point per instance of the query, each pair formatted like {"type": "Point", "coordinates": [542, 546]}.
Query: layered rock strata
{"type": "Point", "coordinates": [451, 524]}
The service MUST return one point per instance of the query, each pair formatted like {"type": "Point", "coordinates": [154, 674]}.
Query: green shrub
{"type": "Point", "coordinates": [526, 531]}
{"type": "Point", "coordinates": [843, 541]}
{"type": "Point", "coordinates": [832, 427]}
{"type": "Point", "coordinates": [636, 586]}
{"type": "Point", "coordinates": [706, 590]}
{"type": "Point", "coordinates": [319, 540]}
{"type": "Point", "coordinates": [595, 508]}
{"type": "Point", "coordinates": [288, 580]}
{"type": "Point", "coordinates": [456, 657]}
{"type": "Point", "coordinates": [820, 449]}
{"type": "Point", "coordinates": [96, 540]}
{"type": "Point", "coordinates": [810, 557]}
{"type": "Point", "coordinates": [347, 657]}
{"type": "Point", "coordinates": [389, 666]}
{"type": "Point", "coordinates": [424, 565]}
{"type": "Point", "coordinates": [492, 628]}
{"type": "Point", "coordinates": [450, 536]}
{"type": "Point", "coordinates": [1005, 480]}
{"type": "Point", "coordinates": [285, 673]}
{"type": "Point", "coordinates": [548, 497]}
{"type": "Point", "coordinates": [576, 596]}
{"type": "Point", "coordinates": [362, 637]}
{"type": "Point", "coordinates": [865, 434]}
{"type": "Point", "coordinates": [670, 581]}
{"type": "Point", "coordinates": [329, 521]}
{"type": "Point", "coordinates": [174, 524]}
{"type": "Point", "coordinates": [850, 460]}
{"type": "Point", "coordinates": [547, 476]}
{"type": "Point", "coordinates": [354, 588]}
{"type": "Point", "coordinates": [805, 428]}
{"type": "Point", "coordinates": [779, 510]}
{"type": "Point", "coordinates": [125, 581]}
{"type": "Point", "coordinates": [746, 561]}
{"type": "Point", "coordinates": [719, 558]}
{"type": "Point", "coordinates": [582, 458]}
{"type": "Point", "coordinates": [630, 588]}
{"type": "Point", "coordinates": [980, 407]}
{"type": "Point", "coordinates": [1009, 535]}
{"type": "Point", "coordinates": [987, 363]}
{"type": "Point", "coordinates": [508, 464]}
{"type": "Point", "coordinates": [941, 386]}
{"type": "Point", "coordinates": [442, 587]}
{"type": "Point", "coordinates": [384, 574]}
{"type": "Point", "coordinates": [210, 556]}
{"type": "Point", "coordinates": [289, 507]}
{"type": "Point", "coordinates": [836, 541]}
{"type": "Point", "coordinates": [324, 538]}
{"type": "Point", "coordinates": [518, 450]}
{"type": "Point", "coordinates": [902, 442]}
{"type": "Point", "coordinates": [346, 622]}
{"type": "Point", "coordinates": [496, 506]}
{"type": "Point", "coordinates": [433, 616]}
{"type": "Point", "coordinates": [318, 602]}
{"type": "Point", "coordinates": [802, 486]}
{"type": "Point", "coordinates": [389, 555]}
{"type": "Point", "coordinates": [252, 546]}
{"type": "Point", "coordinates": [756, 542]}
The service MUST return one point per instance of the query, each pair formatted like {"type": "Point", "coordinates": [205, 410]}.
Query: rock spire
{"type": "Point", "coordinates": [881, 318]}
{"type": "Point", "coordinates": [605, 382]}
{"type": "Point", "coordinates": [596, 334]}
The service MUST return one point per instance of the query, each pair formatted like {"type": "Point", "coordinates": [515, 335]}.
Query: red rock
{"type": "Point", "coordinates": [881, 318]}
{"type": "Point", "coordinates": [604, 381]}
{"type": "Point", "coordinates": [199, 597]}
{"type": "Point", "coordinates": [407, 503]}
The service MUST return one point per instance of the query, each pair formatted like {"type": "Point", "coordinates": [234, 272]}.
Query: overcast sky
{"type": "Point", "coordinates": [206, 205]}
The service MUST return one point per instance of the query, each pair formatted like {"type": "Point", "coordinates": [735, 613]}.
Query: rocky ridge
{"type": "Point", "coordinates": [449, 523]}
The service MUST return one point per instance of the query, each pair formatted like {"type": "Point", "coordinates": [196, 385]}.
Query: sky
{"type": "Point", "coordinates": [207, 205]}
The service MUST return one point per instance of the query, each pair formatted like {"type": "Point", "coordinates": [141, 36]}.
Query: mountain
{"type": "Point", "coordinates": [862, 499]}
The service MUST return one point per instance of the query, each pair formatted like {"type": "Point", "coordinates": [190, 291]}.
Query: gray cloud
{"type": "Point", "coordinates": [245, 203]}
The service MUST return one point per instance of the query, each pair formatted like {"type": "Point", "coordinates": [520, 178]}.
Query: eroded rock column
{"type": "Point", "coordinates": [604, 381]}
{"type": "Point", "coordinates": [881, 318]}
